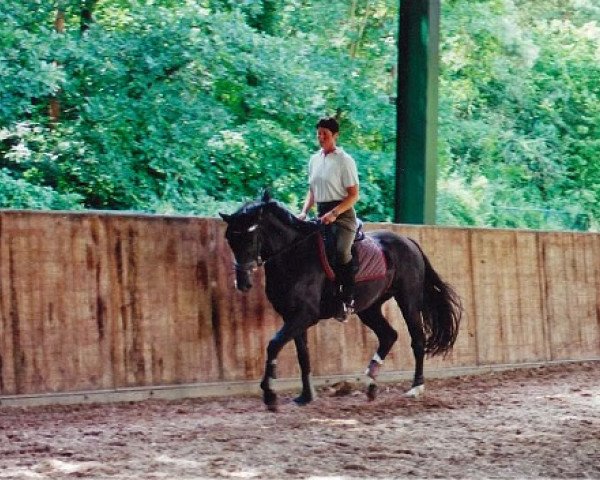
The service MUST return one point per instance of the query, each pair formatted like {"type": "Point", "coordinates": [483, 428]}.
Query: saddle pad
{"type": "Point", "coordinates": [371, 261]}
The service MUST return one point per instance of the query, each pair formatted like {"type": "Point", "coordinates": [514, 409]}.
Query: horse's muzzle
{"type": "Point", "coordinates": [243, 282]}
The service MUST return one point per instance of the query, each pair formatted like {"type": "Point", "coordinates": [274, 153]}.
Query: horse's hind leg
{"type": "Point", "coordinates": [412, 316]}
{"type": "Point", "coordinates": [387, 336]}
{"type": "Point", "coordinates": [308, 394]}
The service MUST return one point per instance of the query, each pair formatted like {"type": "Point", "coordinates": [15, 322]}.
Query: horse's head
{"type": "Point", "coordinates": [243, 236]}
{"type": "Point", "coordinates": [264, 228]}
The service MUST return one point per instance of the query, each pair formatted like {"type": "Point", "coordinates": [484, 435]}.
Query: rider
{"type": "Point", "coordinates": [333, 185]}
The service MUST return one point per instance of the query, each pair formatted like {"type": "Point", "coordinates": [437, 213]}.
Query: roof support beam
{"type": "Point", "coordinates": [417, 111]}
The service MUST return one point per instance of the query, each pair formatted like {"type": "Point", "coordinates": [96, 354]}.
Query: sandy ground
{"type": "Point", "coordinates": [529, 423]}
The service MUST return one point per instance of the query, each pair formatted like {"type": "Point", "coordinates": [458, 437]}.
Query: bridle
{"type": "Point", "coordinates": [257, 260]}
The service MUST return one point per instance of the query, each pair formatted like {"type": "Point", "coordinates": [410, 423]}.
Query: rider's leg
{"type": "Point", "coordinates": [345, 269]}
{"type": "Point", "coordinates": [346, 273]}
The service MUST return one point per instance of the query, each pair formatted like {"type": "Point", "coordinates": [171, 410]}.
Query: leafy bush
{"type": "Point", "coordinates": [195, 106]}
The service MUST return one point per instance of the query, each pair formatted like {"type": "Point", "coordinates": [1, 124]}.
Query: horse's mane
{"type": "Point", "coordinates": [282, 213]}
{"type": "Point", "coordinates": [279, 211]}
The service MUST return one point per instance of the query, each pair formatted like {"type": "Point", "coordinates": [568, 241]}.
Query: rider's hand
{"type": "Point", "coordinates": [301, 216]}
{"type": "Point", "coordinates": [328, 218]}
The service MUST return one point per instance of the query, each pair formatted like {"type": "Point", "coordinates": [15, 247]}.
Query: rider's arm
{"type": "Point", "coordinates": [308, 203]}
{"type": "Point", "coordinates": [347, 203]}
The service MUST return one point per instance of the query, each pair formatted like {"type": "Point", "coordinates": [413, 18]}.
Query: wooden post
{"type": "Point", "coordinates": [416, 111]}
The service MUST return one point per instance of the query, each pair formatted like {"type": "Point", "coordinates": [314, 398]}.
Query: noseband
{"type": "Point", "coordinates": [247, 267]}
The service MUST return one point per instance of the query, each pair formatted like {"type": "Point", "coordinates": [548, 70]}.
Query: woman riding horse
{"type": "Point", "coordinates": [333, 185]}
{"type": "Point", "coordinates": [265, 232]}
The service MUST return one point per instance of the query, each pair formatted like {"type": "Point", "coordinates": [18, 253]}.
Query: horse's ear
{"type": "Point", "coordinates": [225, 217]}
{"type": "Point", "coordinates": [266, 196]}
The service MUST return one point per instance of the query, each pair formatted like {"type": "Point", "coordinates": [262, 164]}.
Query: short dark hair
{"type": "Point", "coordinates": [330, 124]}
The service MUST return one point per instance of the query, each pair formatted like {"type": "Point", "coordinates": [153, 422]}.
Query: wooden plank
{"type": "Point", "coordinates": [555, 266]}
{"type": "Point", "coordinates": [8, 383]}
{"type": "Point", "coordinates": [75, 300]}
{"type": "Point", "coordinates": [167, 308]}
{"type": "Point", "coordinates": [21, 328]}
{"type": "Point", "coordinates": [587, 294]}
{"type": "Point", "coordinates": [593, 264]}
{"type": "Point", "coordinates": [528, 330]}
{"type": "Point", "coordinates": [449, 251]}
{"type": "Point", "coordinates": [571, 265]}
{"type": "Point", "coordinates": [50, 304]}
{"type": "Point", "coordinates": [485, 284]}
{"type": "Point", "coordinates": [507, 293]}
{"type": "Point", "coordinates": [329, 346]}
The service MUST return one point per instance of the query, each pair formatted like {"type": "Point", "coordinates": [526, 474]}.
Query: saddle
{"type": "Point", "coordinates": [369, 260]}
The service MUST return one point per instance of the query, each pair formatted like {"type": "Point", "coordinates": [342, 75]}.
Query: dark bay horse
{"type": "Point", "coordinates": [265, 232]}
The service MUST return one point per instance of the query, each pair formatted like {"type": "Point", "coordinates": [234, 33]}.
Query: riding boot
{"type": "Point", "coordinates": [346, 281]}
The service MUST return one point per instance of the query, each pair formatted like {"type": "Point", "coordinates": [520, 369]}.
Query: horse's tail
{"type": "Point", "coordinates": [442, 312]}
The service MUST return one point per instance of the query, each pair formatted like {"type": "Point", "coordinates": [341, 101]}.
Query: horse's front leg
{"type": "Point", "coordinates": [283, 336]}
{"type": "Point", "coordinates": [308, 394]}
{"type": "Point", "coordinates": [269, 395]}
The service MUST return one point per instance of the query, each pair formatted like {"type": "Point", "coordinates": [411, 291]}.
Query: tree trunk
{"type": "Point", "coordinates": [87, 17]}
{"type": "Point", "coordinates": [354, 47]}
{"type": "Point", "coordinates": [59, 20]}
{"type": "Point", "coordinates": [54, 106]}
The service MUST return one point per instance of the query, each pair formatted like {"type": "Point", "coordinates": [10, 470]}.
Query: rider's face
{"type": "Point", "coordinates": [326, 139]}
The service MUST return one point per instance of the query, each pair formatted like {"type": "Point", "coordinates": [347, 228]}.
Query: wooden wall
{"type": "Point", "coordinates": [92, 301]}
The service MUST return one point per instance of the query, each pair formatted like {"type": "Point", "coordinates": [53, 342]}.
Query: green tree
{"type": "Point", "coordinates": [191, 107]}
{"type": "Point", "coordinates": [519, 91]}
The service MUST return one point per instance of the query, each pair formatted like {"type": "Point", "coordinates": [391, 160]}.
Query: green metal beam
{"type": "Point", "coordinates": [416, 111]}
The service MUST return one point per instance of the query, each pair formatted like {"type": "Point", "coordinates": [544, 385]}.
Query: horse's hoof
{"type": "Point", "coordinates": [373, 369]}
{"type": "Point", "coordinates": [372, 392]}
{"type": "Point", "coordinates": [270, 400]}
{"type": "Point", "coordinates": [303, 400]}
{"type": "Point", "coordinates": [415, 392]}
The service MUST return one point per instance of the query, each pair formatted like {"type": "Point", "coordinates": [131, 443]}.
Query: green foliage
{"type": "Point", "coordinates": [18, 193]}
{"type": "Point", "coordinates": [520, 96]}
{"type": "Point", "coordinates": [192, 107]}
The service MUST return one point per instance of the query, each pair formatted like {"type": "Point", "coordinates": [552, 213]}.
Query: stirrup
{"type": "Point", "coordinates": [347, 309]}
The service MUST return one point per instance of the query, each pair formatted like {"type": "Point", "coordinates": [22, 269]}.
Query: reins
{"type": "Point", "coordinates": [259, 261]}
{"type": "Point", "coordinates": [289, 247]}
